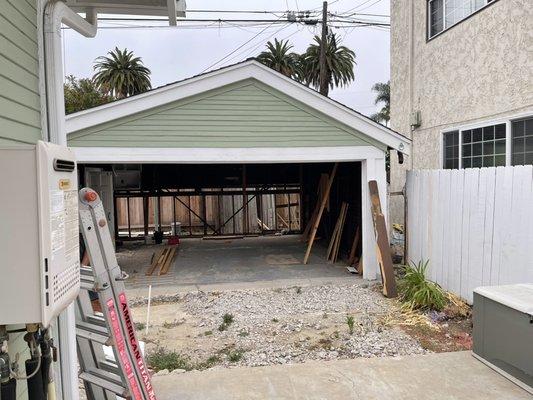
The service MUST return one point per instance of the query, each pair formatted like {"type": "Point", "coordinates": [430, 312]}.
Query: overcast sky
{"type": "Point", "coordinates": [176, 53]}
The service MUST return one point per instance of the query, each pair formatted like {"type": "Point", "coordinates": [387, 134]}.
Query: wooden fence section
{"type": "Point", "coordinates": [475, 226]}
{"type": "Point", "coordinates": [223, 213]}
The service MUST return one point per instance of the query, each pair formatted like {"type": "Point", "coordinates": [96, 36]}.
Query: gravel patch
{"type": "Point", "coordinates": [279, 326]}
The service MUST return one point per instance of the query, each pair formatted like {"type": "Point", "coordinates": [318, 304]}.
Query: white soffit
{"type": "Point", "coordinates": [250, 69]}
{"type": "Point", "coordinates": [172, 8]}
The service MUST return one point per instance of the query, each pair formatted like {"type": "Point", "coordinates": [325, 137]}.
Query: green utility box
{"type": "Point", "coordinates": [503, 330]}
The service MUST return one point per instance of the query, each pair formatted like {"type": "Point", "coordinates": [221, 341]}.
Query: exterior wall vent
{"type": "Point", "coordinates": [64, 165]}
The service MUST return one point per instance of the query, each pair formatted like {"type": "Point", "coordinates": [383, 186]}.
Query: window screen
{"type": "Point", "coordinates": [522, 145]}
{"type": "Point", "coordinates": [446, 13]}
{"type": "Point", "coordinates": [484, 147]}
{"type": "Point", "coordinates": [451, 150]}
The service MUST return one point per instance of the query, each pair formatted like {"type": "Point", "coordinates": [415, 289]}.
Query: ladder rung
{"type": "Point", "coordinates": [104, 383]}
{"type": "Point", "coordinates": [109, 366]}
{"type": "Point", "coordinates": [86, 271]}
{"type": "Point", "coordinates": [96, 320]}
{"type": "Point", "coordinates": [86, 285]}
{"type": "Point", "coordinates": [93, 332]}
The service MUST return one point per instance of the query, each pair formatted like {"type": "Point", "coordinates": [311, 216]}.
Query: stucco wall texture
{"type": "Point", "coordinates": [480, 69]}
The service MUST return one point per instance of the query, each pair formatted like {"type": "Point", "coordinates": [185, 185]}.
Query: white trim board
{"type": "Point", "coordinates": [246, 70]}
{"type": "Point", "coordinates": [200, 155]}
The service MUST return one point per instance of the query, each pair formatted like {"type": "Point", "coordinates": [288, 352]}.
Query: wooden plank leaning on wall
{"type": "Point", "coordinates": [382, 240]}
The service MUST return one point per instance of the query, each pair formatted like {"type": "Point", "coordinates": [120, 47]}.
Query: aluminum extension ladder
{"type": "Point", "coordinates": [106, 377]}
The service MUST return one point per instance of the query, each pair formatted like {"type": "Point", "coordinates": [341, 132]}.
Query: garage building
{"type": "Point", "coordinates": [242, 150]}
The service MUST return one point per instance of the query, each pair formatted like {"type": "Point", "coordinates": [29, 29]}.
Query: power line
{"type": "Point", "coordinates": [253, 48]}
{"type": "Point", "coordinates": [220, 20]}
{"type": "Point", "coordinates": [237, 49]}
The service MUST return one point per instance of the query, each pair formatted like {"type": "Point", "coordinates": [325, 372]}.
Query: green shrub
{"type": "Point", "coordinates": [417, 292]}
{"type": "Point", "coordinates": [162, 358]}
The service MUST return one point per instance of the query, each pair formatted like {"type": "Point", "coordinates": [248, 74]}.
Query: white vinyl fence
{"type": "Point", "coordinates": [475, 226]}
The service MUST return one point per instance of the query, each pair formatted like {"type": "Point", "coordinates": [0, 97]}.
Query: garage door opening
{"type": "Point", "coordinates": [235, 222]}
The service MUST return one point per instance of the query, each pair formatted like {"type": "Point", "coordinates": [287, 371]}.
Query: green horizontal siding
{"type": "Point", "coordinates": [246, 114]}
{"type": "Point", "coordinates": [20, 108]}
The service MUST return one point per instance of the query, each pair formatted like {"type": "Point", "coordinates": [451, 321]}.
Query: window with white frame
{"type": "Point", "coordinates": [490, 145]}
{"type": "Point", "coordinates": [522, 135]}
{"type": "Point", "coordinates": [483, 147]}
{"type": "Point", "coordinates": [442, 14]}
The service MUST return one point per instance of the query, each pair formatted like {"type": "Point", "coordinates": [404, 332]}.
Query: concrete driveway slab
{"type": "Point", "coordinates": [444, 376]}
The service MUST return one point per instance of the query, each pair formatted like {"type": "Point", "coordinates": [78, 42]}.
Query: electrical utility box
{"type": "Point", "coordinates": [503, 330]}
{"type": "Point", "coordinates": [39, 235]}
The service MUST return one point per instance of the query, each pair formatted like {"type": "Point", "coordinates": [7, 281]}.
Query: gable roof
{"type": "Point", "coordinates": [249, 69]}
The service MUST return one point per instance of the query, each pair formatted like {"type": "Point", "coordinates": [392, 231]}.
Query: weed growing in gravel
{"type": "Point", "coordinates": [210, 362]}
{"type": "Point", "coordinates": [139, 326]}
{"type": "Point", "coordinates": [235, 355]}
{"type": "Point", "coordinates": [227, 319]}
{"type": "Point", "coordinates": [298, 289]}
{"type": "Point", "coordinates": [336, 334]}
{"type": "Point", "coordinates": [243, 334]}
{"type": "Point", "coordinates": [208, 333]}
{"type": "Point", "coordinates": [162, 358]}
{"type": "Point", "coordinates": [325, 315]}
{"type": "Point", "coordinates": [275, 320]}
{"type": "Point", "coordinates": [170, 325]}
{"type": "Point", "coordinates": [350, 320]}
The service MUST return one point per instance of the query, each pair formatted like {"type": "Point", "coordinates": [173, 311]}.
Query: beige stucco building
{"type": "Point", "coordinates": [461, 85]}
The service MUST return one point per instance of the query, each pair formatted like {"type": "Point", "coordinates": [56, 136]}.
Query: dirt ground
{"type": "Point", "coordinates": [292, 325]}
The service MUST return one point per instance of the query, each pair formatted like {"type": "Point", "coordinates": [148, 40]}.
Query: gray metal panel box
{"type": "Point", "coordinates": [503, 330]}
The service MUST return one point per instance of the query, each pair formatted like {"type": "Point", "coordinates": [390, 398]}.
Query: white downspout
{"type": "Point", "coordinates": [56, 13]}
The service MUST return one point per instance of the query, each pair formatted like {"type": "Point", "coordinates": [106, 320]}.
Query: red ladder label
{"type": "Point", "coordinates": [134, 344]}
{"type": "Point", "coordinates": [122, 350]}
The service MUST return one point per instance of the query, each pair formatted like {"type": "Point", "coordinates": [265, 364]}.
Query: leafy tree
{"type": "Point", "coordinates": [382, 91]}
{"type": "Point", "coordinates": [81, 94]}
{"type": "Point", "coordinates": [278, 57]}
{"type": "Point", "coordinates": [121, 74]}
{"type": "Point", "coordinates": [340, 62]}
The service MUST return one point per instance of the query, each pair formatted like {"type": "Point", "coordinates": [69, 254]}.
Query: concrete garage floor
{"type": "Point", "coordinates": [251, 262]}
{"type": "Point", "coordinates": [444, 376]}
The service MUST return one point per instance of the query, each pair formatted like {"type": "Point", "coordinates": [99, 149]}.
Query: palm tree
{"type": "Point", "coordinates": [382, 96]}
{"type": "Point", "coordinates": [340, 62]}
{"type": "Point", "coordinates": [278, 57]}
{"type": "Point", "coordinates": [121, 74]}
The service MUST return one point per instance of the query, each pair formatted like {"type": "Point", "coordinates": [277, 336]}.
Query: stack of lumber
{"type": "Point", "coordinates": [162, 261]}
{"type": "Point", "coordinates": [336, 236]}
{"type": "Point", "coordinates": [310, 232]}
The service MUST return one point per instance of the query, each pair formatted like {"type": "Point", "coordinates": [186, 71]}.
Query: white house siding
{"type": "Point", "coordinates": [480, 69]}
